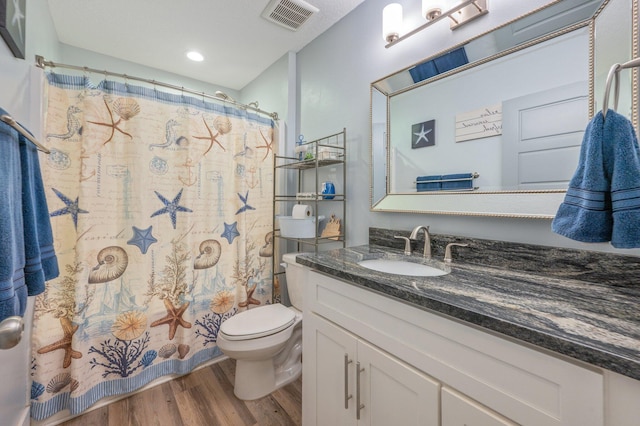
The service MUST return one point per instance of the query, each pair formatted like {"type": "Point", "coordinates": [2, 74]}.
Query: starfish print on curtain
{"type": "Point", "coordinates": [222, 125]}
{"type": "Point", "coordinates": [114, 124]}
{"type": "Point", "coordinates": [245, 206]}
{"type": "Point", "coordinates": [70, 208]}
{"type": "Point", "coordinates": [267, 145]}
{"type": "Point", "coordinates": [173, 318]}
{"type": "Point", "coordinates": [142, 238]}
{"type": "Point", "coordinates": [230, 231]}
{"type": "Point", "coordinates": [65, 343]}
{"type": "Point", "coordinates": [171, 207]}
{"type": "Point", "coordinates": [155, 202]}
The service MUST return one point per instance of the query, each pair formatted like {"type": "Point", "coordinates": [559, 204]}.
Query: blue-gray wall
{"type": "Point", "coordinates": [324, 88]}
{"type": "Point", "coordinates": [335, 72]}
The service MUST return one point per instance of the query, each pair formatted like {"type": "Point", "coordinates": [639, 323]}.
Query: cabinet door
{"type": "Point", "coordinates": [394, 393]}
{"type": "Point", "coordinates": [326, 380]}
{"type": "Point", "coordinates": [458, 410]}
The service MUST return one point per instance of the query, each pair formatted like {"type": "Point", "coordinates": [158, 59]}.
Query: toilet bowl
{"type": "Point", "coordinates": [266, 341]}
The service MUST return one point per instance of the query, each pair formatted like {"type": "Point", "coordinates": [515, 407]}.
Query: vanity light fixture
{"type": "Point", "coordinates": [433, 11]}
{"type": "Point", "coordinates": [195, 56]}
{"type": "Point", "coordinates": [391, 22]}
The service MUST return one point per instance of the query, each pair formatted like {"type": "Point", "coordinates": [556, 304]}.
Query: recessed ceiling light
{"type": "Point", "coordinates": [195, 56]}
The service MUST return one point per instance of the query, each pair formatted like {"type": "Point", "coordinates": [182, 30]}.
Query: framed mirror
{"type": "Point", "coordinates": [493, 126]}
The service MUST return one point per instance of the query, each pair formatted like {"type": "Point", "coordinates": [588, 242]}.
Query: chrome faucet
{"type": "Point", "coordinates": [407, 244]}
{"type": "Point", "coordinates": [427, 239]}
{"type": "Point", "coordinates": [447, 252]}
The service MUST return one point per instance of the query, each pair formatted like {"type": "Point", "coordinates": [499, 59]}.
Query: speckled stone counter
{"type": "Point", "coordinates": [596, 322]}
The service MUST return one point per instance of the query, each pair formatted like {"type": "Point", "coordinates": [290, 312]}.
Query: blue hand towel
{"type": "Point", "coordinates": [603, 199]}
{"type": "Point", "coordinates": [27, 257]}
{"type": "Point", "coordinates": [427, 185]}
{"type": "Point", "coordinates": [457, 181]}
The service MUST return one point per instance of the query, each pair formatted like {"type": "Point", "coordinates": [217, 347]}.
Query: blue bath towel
{"type": "Point", "coordinates": [27, 257]}
{"type": "Point", "coordinates": [603, 199]}
{"type": "Point", "coordinates": [457, 181]}
{"type": "Point", "coordinates": [443, 63]}
{"type": "Point", "coordinates": [424, 183]}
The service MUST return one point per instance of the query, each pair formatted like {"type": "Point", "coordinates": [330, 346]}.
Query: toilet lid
{"type": "Point", "coordinates": [258, 322]}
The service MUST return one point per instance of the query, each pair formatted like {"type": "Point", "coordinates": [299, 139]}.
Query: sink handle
{"type": "Point", "coordinates": [447, 251]}
{"type": "Point", "coordinates": [407, 244]}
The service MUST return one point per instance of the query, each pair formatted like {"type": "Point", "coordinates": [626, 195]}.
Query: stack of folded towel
{"type": "Point", "coordinates": [27, 257]}
{"type": "Point", "coordinates": [452, 182]}
{"type": "Point", "coordinates": [603, 199]}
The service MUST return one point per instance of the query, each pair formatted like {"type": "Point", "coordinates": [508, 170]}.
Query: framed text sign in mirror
{"type": "Point", "coordinates": [493, 126]}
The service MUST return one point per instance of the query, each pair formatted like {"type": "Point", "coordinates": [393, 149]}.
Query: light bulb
{"type": "Point", "coordinates": [391, 22]}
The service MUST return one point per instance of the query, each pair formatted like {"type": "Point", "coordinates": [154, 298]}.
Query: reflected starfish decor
{"type": "Point", "coordinates": [65, 343]}
{"type": "Point", "coordinates": [173, 318]}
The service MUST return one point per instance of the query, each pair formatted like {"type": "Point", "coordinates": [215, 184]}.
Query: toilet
{"type": "Point", "coordinates": [266, 341]}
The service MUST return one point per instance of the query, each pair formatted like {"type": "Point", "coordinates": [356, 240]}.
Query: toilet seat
{"type": "Point", "coordinates": [258, 322]}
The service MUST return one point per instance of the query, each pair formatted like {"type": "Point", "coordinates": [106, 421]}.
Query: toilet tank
{"type": "Point", "coordinates": [296, 277]}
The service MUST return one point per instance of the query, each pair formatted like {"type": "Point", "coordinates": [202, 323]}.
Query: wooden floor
{"type": "Point", "coordinates": [202, 398]}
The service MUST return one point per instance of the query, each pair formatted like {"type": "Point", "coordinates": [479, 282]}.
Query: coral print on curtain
{"type": "Point", "coordinates": [160, 205]}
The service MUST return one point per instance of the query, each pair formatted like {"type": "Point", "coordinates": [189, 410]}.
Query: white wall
{"type": "Point", "coordinates": [335, 71]}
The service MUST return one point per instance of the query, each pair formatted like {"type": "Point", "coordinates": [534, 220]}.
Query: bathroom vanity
{"type": "Point", "coordinates": [481, 345]}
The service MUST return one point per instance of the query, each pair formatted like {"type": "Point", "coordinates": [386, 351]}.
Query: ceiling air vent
{"type": "Point", "coordinates": [290, 14]}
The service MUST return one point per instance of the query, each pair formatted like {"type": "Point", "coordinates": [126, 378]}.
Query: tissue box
{"type": "Point", "coordinates": [297, 228]}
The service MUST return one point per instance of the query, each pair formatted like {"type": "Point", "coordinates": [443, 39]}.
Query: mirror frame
{"type": "Point", "coordinates": [532, 204]}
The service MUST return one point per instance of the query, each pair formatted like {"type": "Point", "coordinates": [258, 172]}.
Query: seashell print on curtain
{"type": "Point", "coordinates": [160, 206]}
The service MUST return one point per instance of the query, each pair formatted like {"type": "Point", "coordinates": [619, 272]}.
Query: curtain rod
{"type": "Point", "coordinates": [219, 96]}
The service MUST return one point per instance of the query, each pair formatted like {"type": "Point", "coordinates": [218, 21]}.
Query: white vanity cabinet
{"type": "Point", "coordinates": [418, 363]}
{"type": "Point", "coordinates": [458, 410]}
{"type": "Point", "coordinates": [355, 383]}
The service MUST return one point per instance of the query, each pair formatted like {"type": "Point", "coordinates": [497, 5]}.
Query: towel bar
{"type": "Point", "coordinates": [13, 123]}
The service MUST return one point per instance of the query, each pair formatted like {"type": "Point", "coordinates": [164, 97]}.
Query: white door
{"type": "Point", "coordinates": [329, 391]}
{"type": "Point", "coordinates": [394, 393]}
{"type": "Point", "coordinates": [20, 96]}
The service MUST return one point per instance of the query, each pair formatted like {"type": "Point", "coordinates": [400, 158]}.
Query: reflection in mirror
{"type": "Point", "coordinates": [513, 108]}
{"type": "Point", "coordinates": [611, 47]}
{"type": "Point", "coordinates": [499, 119]}
{"type": "Point", "coordinates": [379, 145]}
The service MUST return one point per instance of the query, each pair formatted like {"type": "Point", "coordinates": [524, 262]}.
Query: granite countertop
{"type": "Point", "coordinates": [592, 322]}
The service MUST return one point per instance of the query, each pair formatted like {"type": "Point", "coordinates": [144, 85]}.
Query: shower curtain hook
{"type": "Point", "coordinates": [126, 82]}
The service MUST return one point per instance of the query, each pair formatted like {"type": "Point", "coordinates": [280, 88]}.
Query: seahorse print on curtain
{"type": "Point", "coordinates": [159, 228]}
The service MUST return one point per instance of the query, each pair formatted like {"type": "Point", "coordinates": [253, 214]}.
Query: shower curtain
{"type": "Point", "coordinates": [161, 209]}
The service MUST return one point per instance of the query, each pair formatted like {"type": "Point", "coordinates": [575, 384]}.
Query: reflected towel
{"type": "Point", "coordinates": [603, 199]}
{"type": "Point", "coordinates": [451, 60]}
{"type": "Point", "coordinates": [457, 181]}
{"type": "Point", "coordinates": [429, 186]}
{"type": "Point", "coordinates": [27, 257]}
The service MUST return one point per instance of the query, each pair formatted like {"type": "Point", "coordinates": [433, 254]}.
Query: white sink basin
{"type": "Point", "coordinates": [400, 267]}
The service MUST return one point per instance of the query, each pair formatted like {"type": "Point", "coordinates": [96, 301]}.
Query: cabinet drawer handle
{"type": "Point", "coordinates": [347, 396]}
{"type": "Point", "coordinates": [359, 406]}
